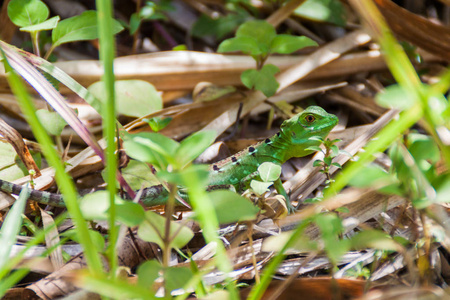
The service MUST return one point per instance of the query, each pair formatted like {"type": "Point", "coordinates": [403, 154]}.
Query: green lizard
{"type": "Point", "coordinates": [292, 140]}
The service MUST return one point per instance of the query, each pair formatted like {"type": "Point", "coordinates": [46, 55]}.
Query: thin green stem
{"type": "Point", "coordinates": [107, 50]}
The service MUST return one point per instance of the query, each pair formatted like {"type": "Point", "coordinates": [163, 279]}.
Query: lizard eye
{"type": "Point", "coordinates": [310, 118]}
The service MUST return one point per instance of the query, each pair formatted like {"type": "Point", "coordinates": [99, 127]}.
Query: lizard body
{"type": "Point", "coordinates": [292, 140]}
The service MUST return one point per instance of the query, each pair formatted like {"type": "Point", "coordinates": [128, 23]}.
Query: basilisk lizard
{"type": "Point", "coordinates": [293, 140]}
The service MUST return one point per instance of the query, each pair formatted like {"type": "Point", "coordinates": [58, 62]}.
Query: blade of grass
{"type": "Point", "coordinates": [258, 290]}
{"type": "Point", "coordinates": [107, 46]}
{"type": "Point", "coordinates": [406, 76]}
{"type": "Point", "coordinates": [39, 236]}
{"type": "Point", "coordinates": [62, 178]}
{"type": "Point", "coordinates": [11, 227]}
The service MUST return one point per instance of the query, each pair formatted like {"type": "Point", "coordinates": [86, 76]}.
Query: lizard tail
{"type": "Point", "coordinates": [35, 195]}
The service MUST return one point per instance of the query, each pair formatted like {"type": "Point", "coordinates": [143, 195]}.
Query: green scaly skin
{"type": "Point", "coordinates": [292, 140]}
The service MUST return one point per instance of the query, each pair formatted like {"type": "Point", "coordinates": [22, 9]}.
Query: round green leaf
{"type": "Point", "coordinates": [176, 277]}
{"type": "Point", "coordinates": [153, 228]}
{"type": "Point", "coordinates": [259, 30]}
{"type": "Point", "coordinates": [79, 28]}
{"type": "Point", "coordinates": [263, 80]}
{"type": "Point", "coordinates": [135, 98]}
{"type": "Point", "coordinates": [286, 44]}
{"type": "Point", "coordinates": [148, 272]}
{"type": "Point", "coordinates": [230, 207]}
{"type": "Point", "coordinates": [27, 12]}
{"type": "Point", "coordinates": [52, 121]}
{"type": "Point", "coordinates": [396, 97]}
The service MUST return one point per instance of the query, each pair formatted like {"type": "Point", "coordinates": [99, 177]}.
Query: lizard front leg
{"type": "Point", "coordinates": [278, 185]}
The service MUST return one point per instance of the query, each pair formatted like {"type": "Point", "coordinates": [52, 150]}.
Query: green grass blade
{"type": "Point", "coordinates": [107, 49]}
{"type": "Point", "coordinates": [62, 178]}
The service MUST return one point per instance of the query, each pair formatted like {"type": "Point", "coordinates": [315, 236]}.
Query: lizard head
{"type": "Point", "coordinates": [297, 131]}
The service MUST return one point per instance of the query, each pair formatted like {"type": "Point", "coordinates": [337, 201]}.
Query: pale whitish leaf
{"type": "Point", "coordinates": [260, 187]}
{"type": "Point", "coordinates": [269, 171]}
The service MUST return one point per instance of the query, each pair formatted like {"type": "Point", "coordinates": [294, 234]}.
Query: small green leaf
{"type": "Point", "coordinates": [176, 277]}
{"type": "Point", "coordinates": [184, 177]}
{"type": "Point", "coordinates": [334, 150]}
{"type": "Point", "coordinates": [269, 171]}
{"type": "Point", "coordinates": [337, 165]}
{"type": "Point", "coordinates": [342, 209]}
{"type": "Point", "coordinates": [372, 176]}
{"type": "Point", "coordinates": [230, 207]}
{"type": "Point", "coordinates": [134, 98]}
{"type": "Point", "coordinates": [331, 11]}
{"type": "Point", "coordinates": [27, 12]}
{"type": "Point", "coordinates": [260, 187]}
{"type": "Point", "coordinates": [442, 186]}
{"type": "Point", "coordinates": [158, 123]}
{"type": "Point", "coordinates": [52, 121]}
{"type": "Point", "coordinates": [245, 45]}
{"type": "Point", "coordinates": [394, 96]}
{"type": "Point", "coordinates": [286, 44]}
{"type": "Point", "coordinates": [317, 163]}
{"type": "Point", "coordinates": [374, 239]}
{"type": "Point", "coordinates": [135, 21]}
{"type": "Point", "coordinates": [423, 148]}
{"type": "Point", "coordinates": [153, 228]}
{"type": "Point", "coordinates": [153, 148]}
{"type": "Point", "coordinates": [220, 27]}
{"type": "Point", "coordinates": [148, 272]}
{"type": "Point", "coordinates": [259, 30]}
{"type": "Point", "coordinates": [46, 25]}
{"type": "Point", "coordinates": [263, 80]}
{"type": "Point", "coordinates": [194, 145]}
{"type": "Point", "coordinates": [130, 213]}
{"type": "Point", "coordinates": [276, 242]}
{"type": "Point", "coordinates": [79, 28]}
{"type": "Point", "coordinates": [138, 174]}
{"type": "Point", "coordinates": [314, 148]}
{"type": "Point", "coordinates": [95, 206]}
